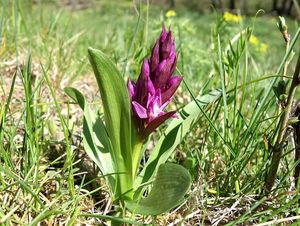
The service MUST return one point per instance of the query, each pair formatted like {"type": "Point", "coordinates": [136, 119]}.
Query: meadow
{"type": "Point", "coordinates": [231, 68]}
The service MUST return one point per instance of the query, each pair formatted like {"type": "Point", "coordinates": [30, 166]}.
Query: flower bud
{"type": "Point", "coordinates": [283, 28]}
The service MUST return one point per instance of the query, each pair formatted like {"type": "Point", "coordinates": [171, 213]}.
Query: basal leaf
{"type": "Point", "coordinates": [173, 136]}
{"type": "Point", "coordinates": [117, 115]}
{"type": "Point", "coordinates": [96, 141]}
{"type": "Point", "coordinates": [169, 187]}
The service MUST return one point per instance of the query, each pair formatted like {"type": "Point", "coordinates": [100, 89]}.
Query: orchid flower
{"type": "Point", "coordinates": [155, 86]}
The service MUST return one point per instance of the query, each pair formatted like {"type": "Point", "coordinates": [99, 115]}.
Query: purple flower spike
{"type": "Point", "coordinates": [155, 86]}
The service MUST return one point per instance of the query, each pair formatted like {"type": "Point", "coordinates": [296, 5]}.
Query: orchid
{"type": "Point", "coordinates": [136, 111]}
{"type": "Point", "coordinates": [155, 86]}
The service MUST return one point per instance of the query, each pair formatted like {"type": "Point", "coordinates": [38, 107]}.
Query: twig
{"type": "Point", "coordinates": [296, 127]}
{"type": "Point", "coordinates": [278, 147]}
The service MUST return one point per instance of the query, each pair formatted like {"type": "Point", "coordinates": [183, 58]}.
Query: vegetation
{"type": "Point", "coordinates": [235, 109]}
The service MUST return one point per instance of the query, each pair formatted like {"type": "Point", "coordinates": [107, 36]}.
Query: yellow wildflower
{"type": "Point", "coordinates": [170, 13]}
{"type": "Point", "coordinates": [229, 17]}
{"type": "Point", "coordinates": [259, 46]}
{"type": "Point", "coordinates": [263, 47]}
{"type": "Point", "coordinates": [253, 40]}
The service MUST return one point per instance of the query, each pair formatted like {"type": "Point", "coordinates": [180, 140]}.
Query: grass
{"type": "Point", "coordinates": [44, 173]}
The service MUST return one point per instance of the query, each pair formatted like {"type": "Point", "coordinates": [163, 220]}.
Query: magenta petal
{"type": "Point", "coordinates": [174, 65]}
{"type": "Point", "coordinates": [154, 60]}
{"type": "Point", "coordinates": [163, 72]}
{"type": "Point", "coordinates": [167, 46]}
{"type": "Point", "coordinates": [150, 87]}
{"type": "Point", "coordinates": [139, 110]}
{"type": "Point", "coordinates": [163, 34]}
{"type": "Point", "coordinates": [145, 68]}
{"type": "Point", "coordinates": [175, 115]}
{"type": "Point", "coordinates": [157, 122]}
{"type": "Point", "coordinates": [145, 73]}
{"type": "Point", "coordinates": [147, 90]}
{"type": "Point", "coordinates": [160, 74]}
{"type": "Point", "coordinates": [131, 88]}
{"type": "Point", "coordinates": [154, 106]}
{"type": "Point", "coordinates": [150, 103]}
{"type": "Point", "coordinates": [142, 83]}
{"type": "Point", "coordinates": [172, 86]}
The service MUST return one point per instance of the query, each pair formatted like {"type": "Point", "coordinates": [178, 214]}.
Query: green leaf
{"type": "Point", "coordinates": [96, 141]}
{"type": "Point", "coordinates": [173, 136]}
{"type": "Point", "coordinates": [76, 96]}
{"type": "Point", "coordinates": [117, 116]}
{"type": "Point", "coordinates": [171, 184]}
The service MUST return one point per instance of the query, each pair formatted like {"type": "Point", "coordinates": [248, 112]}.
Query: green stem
{"type": "Point", "coordinates": [136, 156]}
{"type": "Point", "coordinates": [124, 188]}
{"type": "Point", "coordinates": [287, 62]}
{"type": "Point", "coordinates": [277, 149]}
{"type": "Point", "coordinates": [281, 103]}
